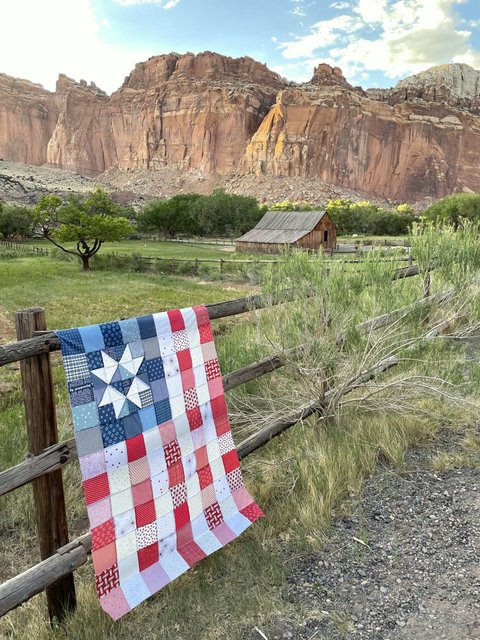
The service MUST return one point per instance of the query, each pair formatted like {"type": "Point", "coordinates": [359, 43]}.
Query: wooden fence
{"type": "Point", "coordinates": [26, 248]}
{"type": "Point", "coordinates": [47, 456]}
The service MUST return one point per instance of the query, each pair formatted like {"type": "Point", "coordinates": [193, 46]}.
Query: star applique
{"type": "Point", "coordinates": [114, 372]}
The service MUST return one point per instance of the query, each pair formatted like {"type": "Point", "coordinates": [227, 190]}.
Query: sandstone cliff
{"type": "Point", "coordinates": [220, 116]}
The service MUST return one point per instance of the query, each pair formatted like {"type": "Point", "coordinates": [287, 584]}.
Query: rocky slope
{"type": "Point", "coordinates": [211, 120]}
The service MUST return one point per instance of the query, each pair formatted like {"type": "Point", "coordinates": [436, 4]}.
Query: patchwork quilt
{"type": "Point", "coordinates": [160, 471]}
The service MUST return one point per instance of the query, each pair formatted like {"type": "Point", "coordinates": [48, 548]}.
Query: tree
{"type": "Point", "coordinates": [454, 208]}
{"type": "Point", "coordinates": [224, 214]}
{"type": "Point", "coordinates": [14, 221]}
{"type": "Point", "coordinates": [368, 218]}
{"type": "Point", "coordinates": [169, 217]}
{"type": "Point", "coordinates": [87, 222]}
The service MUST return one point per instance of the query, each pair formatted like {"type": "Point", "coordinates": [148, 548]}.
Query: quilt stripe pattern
{"type": "Point", "coordinates": [161, 475]}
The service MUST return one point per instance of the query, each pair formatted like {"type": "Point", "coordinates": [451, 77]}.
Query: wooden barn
{"type": "Point", "coordinates": [312, 230]}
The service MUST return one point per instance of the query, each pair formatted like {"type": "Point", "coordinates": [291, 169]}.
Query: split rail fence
{"type": "Point", "coordinates": [43, 465]}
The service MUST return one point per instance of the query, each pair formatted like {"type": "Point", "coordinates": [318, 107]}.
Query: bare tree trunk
{"type": "Point", "coordinates": [86, 263]}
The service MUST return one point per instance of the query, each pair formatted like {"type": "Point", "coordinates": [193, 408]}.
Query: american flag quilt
{"type": "Point", "coordinates": [161, 475]}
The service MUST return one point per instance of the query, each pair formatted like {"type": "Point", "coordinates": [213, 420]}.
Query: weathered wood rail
{"type": "Point", "coordinates": [47, 456]}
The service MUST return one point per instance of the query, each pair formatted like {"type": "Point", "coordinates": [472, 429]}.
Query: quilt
{"type": "Point", "coordinates": [161, 475]}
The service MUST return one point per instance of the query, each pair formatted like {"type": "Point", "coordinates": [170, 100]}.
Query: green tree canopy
{"type": "Point", "coordinates": [85, 222]}
{"type": "Point", "coordinates": [14, 221]}
{"type": "Point", "coordinates": [454, 208]}
{"type": "Point", "coordinates": [368, 218]}
{"type": "Point", "coordinates": [224, 214]}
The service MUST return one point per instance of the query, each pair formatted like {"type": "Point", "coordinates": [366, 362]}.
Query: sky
{"type": "Point", "coordinates": [374, 42]}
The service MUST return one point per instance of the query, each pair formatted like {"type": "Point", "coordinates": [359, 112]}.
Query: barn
{"type": "Point", "coordinates": [312, 230]}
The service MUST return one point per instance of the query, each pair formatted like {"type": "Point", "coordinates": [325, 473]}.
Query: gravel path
{"type": "Point", "coordinates": [405, 566]}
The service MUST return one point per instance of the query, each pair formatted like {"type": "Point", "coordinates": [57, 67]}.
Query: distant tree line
{"type": "Point", "coordinates": [218, 214]}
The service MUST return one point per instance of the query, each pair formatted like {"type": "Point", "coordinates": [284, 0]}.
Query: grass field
{"type": "Point", "coordinates": [313, 471]}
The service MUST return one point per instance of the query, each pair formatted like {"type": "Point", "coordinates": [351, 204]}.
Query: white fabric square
{"type": "Point", "coordinates": [226, 443]}
{"type": "Point", "coordinates": [198, 437]}
{"type": "Point", "coordinates": [163, 504]}
{"type": "Point", "coordinates": [167, 545]}
{"type": "Point", "coordinates": [119, 479]}
{"type": "Point", "coordinates": [152, 439]}
{"type": "Point", "coordinates": [121, 502]}
{"type": "Point", "coordinates": [125, 523]}
{"type": "Point", "coordinates": [156, 461]}
{"type": "Point", "coordinates": [228, 506]}
{"type": "Point", "coordinates": [147, 535]}
{"type": "Point", "coordinates": [217, 468]}
{"type": "Point", "coordinates": [116, 456]}
{"type": "Point", "coordinates": [200, 374]}
{"type": "Point", "coordinates": [135, 590]}
{"type": "Point", "coordinates": [209, 543]}
{"type": "Point", "coordinates": [126, 545]}
{"type": "Point", "coordinates": [174, 565]}
{"type": "Point", "coordinates": [182, 426]}
{"type": "Point", "coordinates": [222, 488]}
{"type": "Point", "coordinates": [197, 356]}
{"type": "Point", "coordinates": [127, 566]}
{"type": "Point", "coordinates": [174, 385]}
{"type": "Point", "coordinates": [186, 444]}
{"type": "Point", "coordinates": [166, 525]}
{"type": "Point", "coordinates": [195, 506]}
{"type": "Point", "coordinates": [177, 406]}
{"type": "Point", "coordinates": [199, 526]}
{"type": "Point", "coordinates": [213, 450]}
{"type": "Point", "coordinates": [170, 366]}
{"type": "Point", "coordinates": [203, 394]}
{"type": "Point", "coordinates": [193, 486]}
{"type": "Point", "coordinates": [160, 483]}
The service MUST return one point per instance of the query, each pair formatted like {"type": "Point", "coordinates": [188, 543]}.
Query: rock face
{"type": "Point", "coordinates": [220, 116]}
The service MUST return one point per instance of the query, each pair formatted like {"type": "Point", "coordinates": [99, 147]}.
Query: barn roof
{"type": "Point", "coordinates": [283, 227]}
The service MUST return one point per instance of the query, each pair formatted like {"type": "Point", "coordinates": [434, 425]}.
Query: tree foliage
{"type": "Point", "coordinates": [14, 221]}
{"type": "Point", "coordinates": [85, 222]}
{"type": "Point", "coordinates": [218, 214]}
{"type": "Point", "coordinates": [454, 209]}
{"type": "Point", "coordinates": [368, 218]}
{"type": "Point", "coordinates": [289, 205]}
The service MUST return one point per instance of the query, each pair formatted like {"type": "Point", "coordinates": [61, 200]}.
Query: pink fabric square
{"type": "Point", "coordinates": [168, 432]}
{"type": "Point", "coordinates": [93, 465]}
{"type": "Point", "coordinates": [155, 577]}
{"type": "Point", "coordinates": [224, 533]}
{"type": "Point", "coordinates": [215, 387]}
{"type": "Point", "coordinates": [104, 557]}
{"type": "Point", "coordinates": [242, 498]}
{"type": "Point", "coordinates": [142, 493]}
{"type": "Point", "coordinates": [188, 379]}
{"type": "Point", "coordinates": [115, 604]}
{"type": "Point", "coordinates": [99, 512]}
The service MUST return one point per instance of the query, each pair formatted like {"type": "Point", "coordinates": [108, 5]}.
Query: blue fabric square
{"type": "Point", "coordinates": [159, 389]}
{"type": "Point", "coordinates": [94, 359]}
{"type": "Point", "coordinates": [80, 393]}
{"type": "Point", "coordinates": [147, 328]}
{"type": "Point", "coordinates": [130, 330]}
{"type": "Point", "coordinates": [155, 368]}
{"type": "Point", "coordinates": [106, 414]}
{"type": "Point", "coordinates": [132, 425]}
{"type": "Point", "coordinates": [112, 433]}
{"type": "Point", "coordinates": [92, 338]}
{"type": "Point", "coordinates": [71, 342]}
{"type": "Point", "coordinates": [162, 411]}
{"type": "Point", "coordinates": [85, 416]}
{"type": "Point", "coordinates": [148, 418]}
{"type": "Point", "coordinates": [112, 334]}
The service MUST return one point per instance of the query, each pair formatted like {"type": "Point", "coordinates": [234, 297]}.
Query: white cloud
{"type": "Point", "coordinates": [61, 37]}
{"type": "Point", "coordinates": [340, 5]}
{"type": "Point", "coordinates": [393, 36]}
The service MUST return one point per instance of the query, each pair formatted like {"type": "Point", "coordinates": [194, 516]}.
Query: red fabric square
{"type": "Point", "coordinates": [139, 470]}
{"type": "Point", "coordinates": [107, 580]}
{"type": "Point", "coordinates": [184, 359]}
{"type": "Point", "coordinates": [147, 556]}
{"type": "Point", "coordinates": [188, 379]}
{"type": "Point", "coordinates": [192, 553]}
{"type": "Point", "coordinates": [182, 516]}
{"type": "Point", "coordinates": [212, 369]}
{"type": "Point", "coordinates": [201, 456]}
{"type": "Point", "coordinates": [168, 432]}
{"type": "Point", "coordinates": [252, 512]}
{"type": "Point", "coordinates": [205, 332]}
{"type": "Point", "coordinates": [205, 476]}
{"type": "Point", "coordinates": [142, 493]}
{"type": "Point", "coordinates": [215, 388]}
{"type": "Point", "coordinates": [145, 514]}
{"type": "Point", "coordinates": [222, 424]}
{"type": "Point", "coordinates": [202, 315]}
{"type": "Point", "coordinates": [194, 418]}
{"type": "Point", "coordinates": [135, 448]}
{"type": "Point", "coordinates": [185, 535]}
{"type": "Point", "coordinates": [103, 534]}
{"type": "Point", "coordinates": [176, 320]}
{"type": "Point", "coordinates": [230, 461]}
{"type": "Point", "coordinates": [219, 407]}
{"type": "Point", "coordinates": [214, 515]}
{"type": "Point", "coordinates": [96, 488]}
{"type": "Point", "coordinates": [176, 474]}
{"type": "Point", "coordinates": [172, 453]}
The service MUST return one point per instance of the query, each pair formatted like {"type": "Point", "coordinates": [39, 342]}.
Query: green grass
{"type": "Point", "coordinates": [300, 479]}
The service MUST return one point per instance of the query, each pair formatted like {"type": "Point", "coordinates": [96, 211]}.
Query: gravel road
{"type": "Point", "coordinates": [404, 566]}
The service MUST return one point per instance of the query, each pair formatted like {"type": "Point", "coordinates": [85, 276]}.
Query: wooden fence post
{"type": "Point", "coordinates": [221, 265]}
{"type": "Point", "coordinates": [39, 401]}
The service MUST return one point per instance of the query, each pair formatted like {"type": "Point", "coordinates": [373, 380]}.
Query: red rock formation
{"type": "Point", "coordinates": [222, 116]}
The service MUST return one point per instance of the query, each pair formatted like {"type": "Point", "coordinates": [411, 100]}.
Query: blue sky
{"type": "Point", "coordinates": [375, 42]}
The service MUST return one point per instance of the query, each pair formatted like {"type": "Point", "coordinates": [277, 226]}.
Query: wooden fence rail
{"type": "Point", "coordinates": [47, 456]}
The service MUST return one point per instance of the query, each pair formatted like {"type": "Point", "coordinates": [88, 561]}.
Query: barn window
{"type": "Point", "coordinates": [325, 236]}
